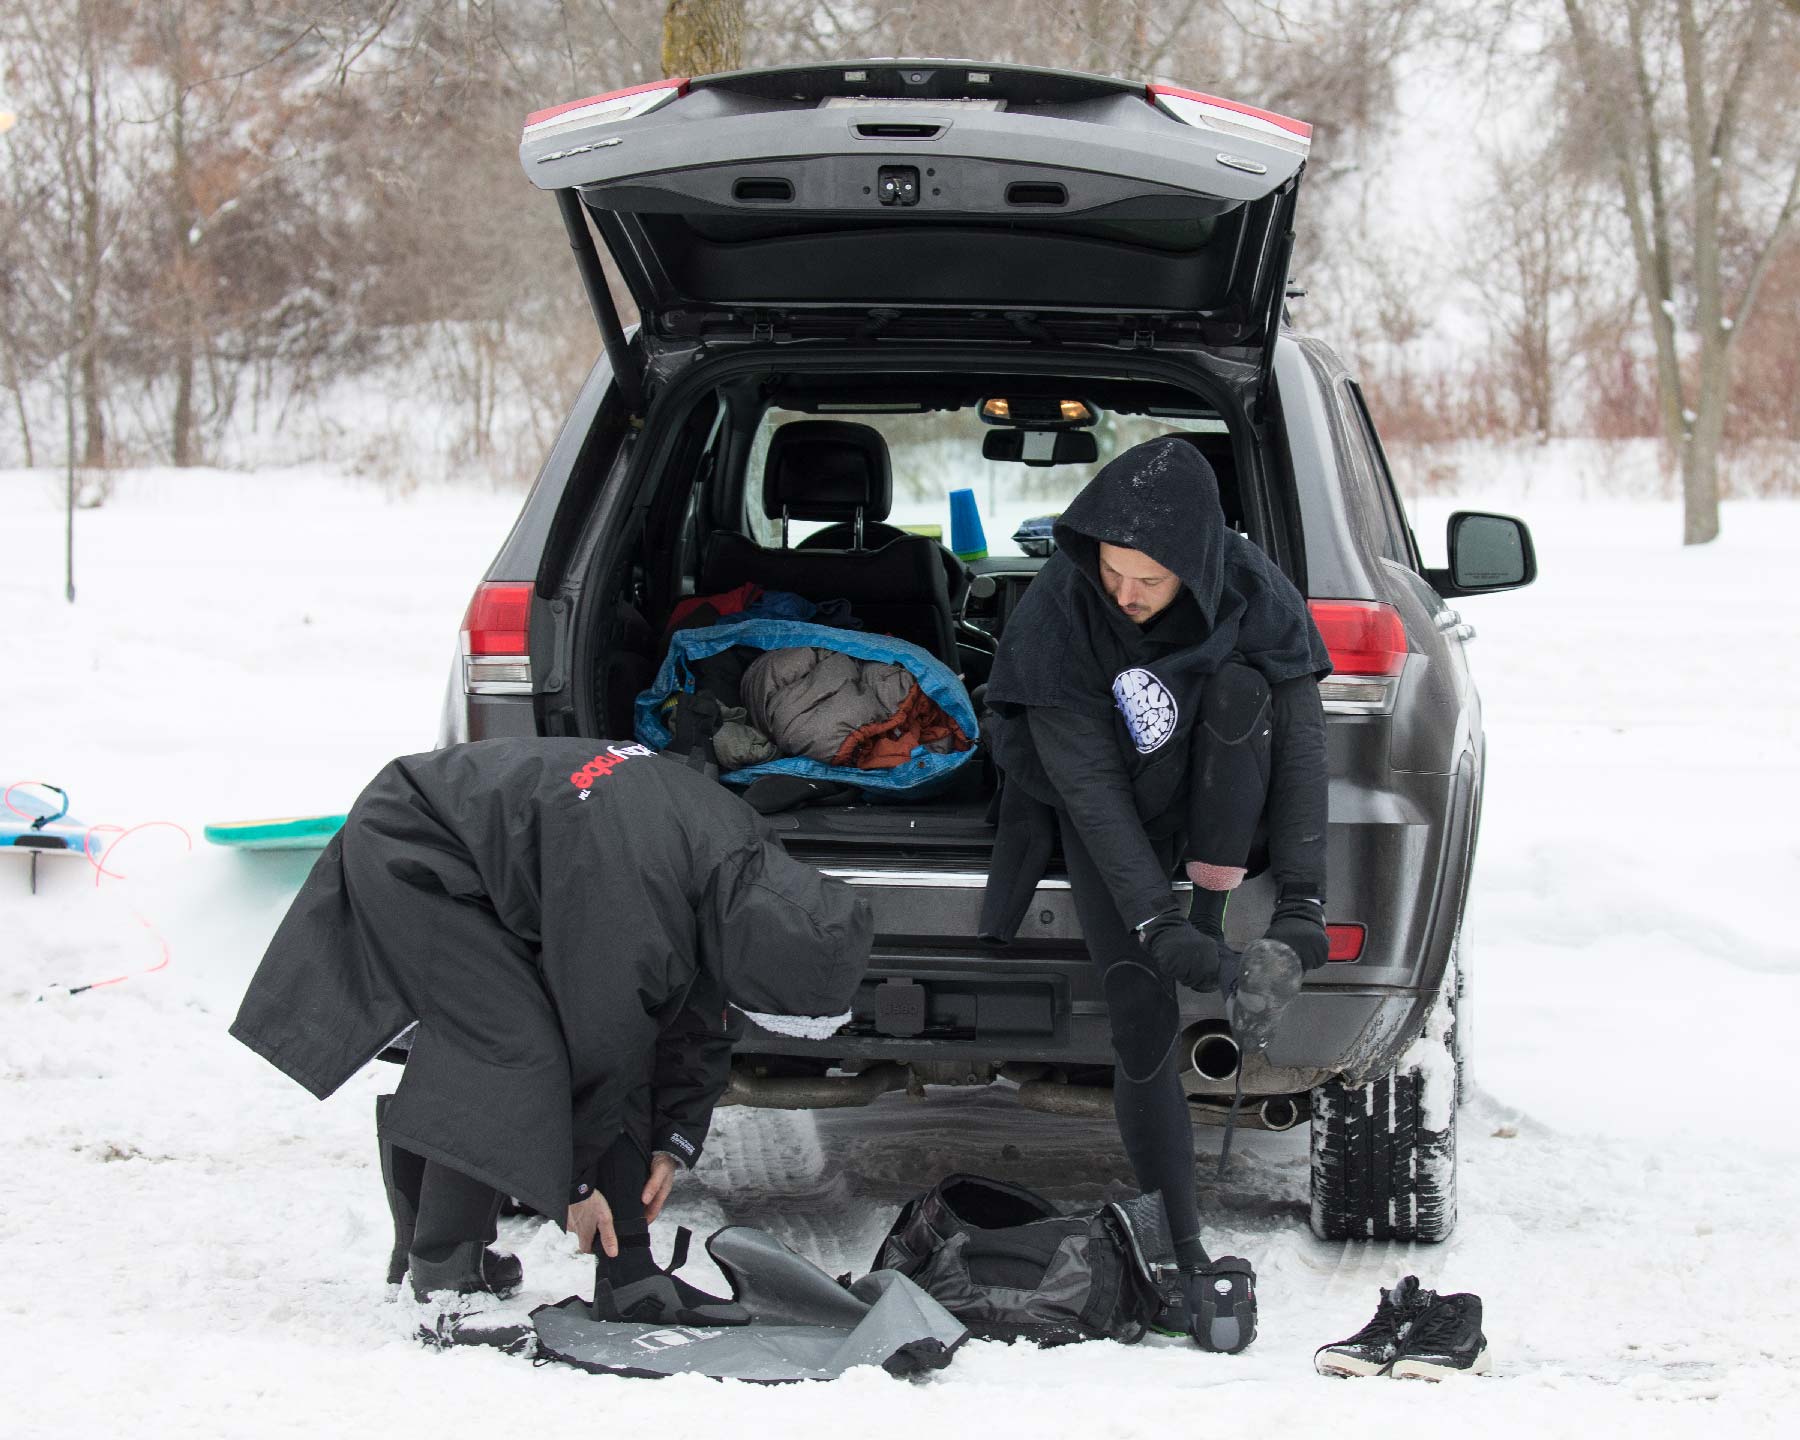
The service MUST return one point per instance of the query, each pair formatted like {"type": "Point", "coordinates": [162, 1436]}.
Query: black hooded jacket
{"type": "Point", "coordinates": [565, 921]}
{"type": "Point", "coordinates": [1093, 714]}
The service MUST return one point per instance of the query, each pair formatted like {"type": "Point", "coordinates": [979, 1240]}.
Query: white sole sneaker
{"type": "Point", "coordinates": [1348, 1367]}
{"type": "Point", "coordinates": [1417, 1369]}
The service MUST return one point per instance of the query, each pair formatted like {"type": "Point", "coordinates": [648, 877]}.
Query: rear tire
{"type": "Point", "coordinates": [1378, 1171]}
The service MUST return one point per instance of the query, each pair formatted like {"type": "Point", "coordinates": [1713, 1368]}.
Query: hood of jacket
{"type": "Point", "coordinates": [1161, 498]}
{"type": "Point", "coordinates": [1067, 642]}
{"type": "Point", "coordinates": [790, 941]}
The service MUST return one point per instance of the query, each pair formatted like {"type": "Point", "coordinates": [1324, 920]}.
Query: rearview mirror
{"type": "Point", "coordinates": [1487, 553]}
{"type": "Point", "coordinates": [1041, 447]}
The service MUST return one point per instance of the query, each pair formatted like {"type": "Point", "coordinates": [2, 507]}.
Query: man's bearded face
{"type": "Point", "coordinates": [1140, 587]}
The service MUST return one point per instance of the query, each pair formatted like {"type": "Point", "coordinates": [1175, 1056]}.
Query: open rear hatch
{"type": "Point", "coordinates": [934, 197]}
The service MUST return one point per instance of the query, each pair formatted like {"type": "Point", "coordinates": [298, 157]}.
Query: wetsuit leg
{"type": "Point", "coordinates": [621, 1174]}
{"type": "Point", "coordinates": [1229, 788]}
{"type": "Point", "coordinates": [1147, 1095]}
{"type": "Point", "coordinates": [453, 1209]}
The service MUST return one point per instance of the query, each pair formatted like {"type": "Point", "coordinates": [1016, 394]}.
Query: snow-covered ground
{"type": "Point", "coordinates": [191, 1245]}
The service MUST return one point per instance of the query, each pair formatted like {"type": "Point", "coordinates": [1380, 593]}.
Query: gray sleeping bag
{"type": "Point", "coordinates": [804, 1325]}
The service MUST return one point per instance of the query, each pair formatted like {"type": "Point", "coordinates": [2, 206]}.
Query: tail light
{"type": "Point", "coordinates": [1231, 117]}
{"type": "Point", "coordinates": [607, 109]}
{"type": "Point", "coordinates": [1346, 942]}
{"type": "Point", "coordinates": [496, 643]}
{"type": "Point", "coordinates": [1367, 641]}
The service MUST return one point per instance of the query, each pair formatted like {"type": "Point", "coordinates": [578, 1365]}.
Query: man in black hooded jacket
{"type": "Point", "coordinates": [554, 928]}
{"type": "Point", "coordinates": [1155, 698]}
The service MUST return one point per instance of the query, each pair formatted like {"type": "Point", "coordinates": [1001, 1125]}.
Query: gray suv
{"type": "Point", "coordinates": [863, 285]}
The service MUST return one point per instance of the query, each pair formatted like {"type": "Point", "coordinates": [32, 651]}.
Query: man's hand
{"type": "Point", "coordinates": [1180, 953]}
{"type": "Point", "coordinates": [1299, 924]}
{"type": "Point", "coordinates": [663, 1169]}
{"type": "Point", "coordinates": [593, 1216]}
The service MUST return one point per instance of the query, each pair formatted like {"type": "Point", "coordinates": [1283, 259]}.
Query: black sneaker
{"type": "Point", "coordinates": [1372, 1349]}
{"type": "Point", "coordinates": [659, 1298]}
{"type": "Point", "coordinates": [1446, 1340]}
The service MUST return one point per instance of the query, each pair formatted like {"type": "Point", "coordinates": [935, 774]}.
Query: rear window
{"type": "Point", "coordinates": [936, 452]}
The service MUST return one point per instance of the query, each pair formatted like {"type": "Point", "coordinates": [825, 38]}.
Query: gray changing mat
{"type": "Point", "coordinates": [804, 1325]}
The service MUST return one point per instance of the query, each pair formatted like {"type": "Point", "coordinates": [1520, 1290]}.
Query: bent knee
{"type": "Point", "coordinates": [1145, 1016]}
{"type": "Point", "coordinates": [1234, 703]}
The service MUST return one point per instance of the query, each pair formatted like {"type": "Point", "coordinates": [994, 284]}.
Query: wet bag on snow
{"type": "Point", "coordinates": [1010, 1265]}
{"type": "Point", "coordinates": [803, 1324]}
{"type": "Point", "coordinates": [925, 770]}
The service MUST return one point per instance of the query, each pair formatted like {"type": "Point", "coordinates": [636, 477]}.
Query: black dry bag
{"type": "Point", "coordinates": [1010, 1265]}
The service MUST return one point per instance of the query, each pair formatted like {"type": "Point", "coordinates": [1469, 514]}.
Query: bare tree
{"type": "Point", "coordinates": [68, 195]}
{"type": "Point", "coordinates": [1691, 107]}
{"type": "Point", "coordinates": [1528, 255]}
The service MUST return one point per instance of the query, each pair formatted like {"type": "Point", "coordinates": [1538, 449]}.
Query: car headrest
{"type": "Point", "coordinates": [825, 469]}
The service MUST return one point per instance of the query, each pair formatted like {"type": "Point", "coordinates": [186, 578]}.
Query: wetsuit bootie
{"type": "Point", "coordinates": [1268, 978]}
{"type": "Point", "coordinates": [632, 1287]}
{"type": "Point", "coordinates": [469, 1269]}
{"type": "Point", "coordinates": [1221, 1304]}
{"type": "Point", "coordinates": [401, 1172]}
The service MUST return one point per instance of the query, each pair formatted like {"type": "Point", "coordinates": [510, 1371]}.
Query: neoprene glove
{"type": "Point", "coordinates": [1180, 953]}
{"type": "Point", "coordinates": [1299, 923]}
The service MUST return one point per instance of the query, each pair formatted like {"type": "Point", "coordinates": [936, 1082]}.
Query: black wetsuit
{"type": "Point", "coordinates": [1198, 736]}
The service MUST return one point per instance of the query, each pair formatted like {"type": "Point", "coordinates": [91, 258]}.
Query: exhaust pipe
{"type": "Point", "coordinates": [1279, 1112]}
{"type": "Point", "coordinates": [812, 1092]}
{"type": "Point", "coordinates": [1215, 1055]}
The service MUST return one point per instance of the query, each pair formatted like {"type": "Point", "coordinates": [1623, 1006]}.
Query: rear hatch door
{"type": "Point", "coordinates": [934, 197]}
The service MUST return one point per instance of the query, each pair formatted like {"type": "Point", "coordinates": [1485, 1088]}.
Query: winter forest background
{"type": "Point", "coordinates": [237, 233]}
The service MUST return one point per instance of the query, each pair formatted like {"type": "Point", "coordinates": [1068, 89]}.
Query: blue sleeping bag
{"type": "Point", "coordinates": [925, 769]}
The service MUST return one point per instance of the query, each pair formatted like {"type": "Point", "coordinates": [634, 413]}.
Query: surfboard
{"type": "Point", "coordinates": [294, 832]}
{"type": "Point", "coordinates": [35, 827]}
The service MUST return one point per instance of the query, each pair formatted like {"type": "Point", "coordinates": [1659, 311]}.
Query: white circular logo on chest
{"type": "Point", "coordinates": [1148, 708]}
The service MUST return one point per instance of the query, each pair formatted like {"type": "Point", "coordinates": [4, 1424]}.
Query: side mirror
{"type": "Point", "coordinates": [1488, 553]}
{"type": "Point", "coordinates": [1041, 447]}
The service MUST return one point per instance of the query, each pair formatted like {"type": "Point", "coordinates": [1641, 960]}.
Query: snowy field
{"type": "Point", "coordinates": [193, 1246]}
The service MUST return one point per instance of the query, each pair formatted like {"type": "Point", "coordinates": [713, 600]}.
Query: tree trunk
{"type": "Point", "coordinates": [181, 221]}
{"type": "Point", "coordinates": [87, 334]}
{"type": "Point", "coordinates": [181, 423]}
{"type": "Point", "coordinates": [16, 383]}
{"type": "Point", "coordinates": [702, 37]}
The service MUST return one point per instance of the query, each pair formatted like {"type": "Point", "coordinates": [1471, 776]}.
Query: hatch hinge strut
{"type": "Point", "coordinates": [626, 372]}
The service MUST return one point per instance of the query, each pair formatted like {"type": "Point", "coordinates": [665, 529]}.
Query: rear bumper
{"type": "Point", "coordinates": [961, 1018]}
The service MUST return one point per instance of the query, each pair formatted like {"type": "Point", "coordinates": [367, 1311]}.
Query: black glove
{"type": "Point", "coordinates": [1180, 953]}
{"type": "Point", "coordinates": [1299, 924]}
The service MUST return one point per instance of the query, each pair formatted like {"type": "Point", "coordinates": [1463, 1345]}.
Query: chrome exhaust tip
{"type": "Point", "coordinates": [1279, 1112]}
{"type": "Point", "coordinates": [1215, 1055]}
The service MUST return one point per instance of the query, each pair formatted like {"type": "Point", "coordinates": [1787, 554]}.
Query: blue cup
{"type": "Point", "coordinates": [967, 539]}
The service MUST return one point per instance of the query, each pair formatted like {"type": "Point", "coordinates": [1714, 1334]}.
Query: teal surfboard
{"type": "Point", "coordinates": [296, 832]}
